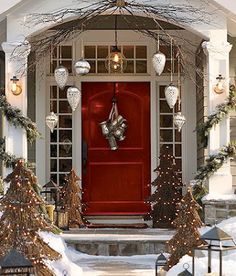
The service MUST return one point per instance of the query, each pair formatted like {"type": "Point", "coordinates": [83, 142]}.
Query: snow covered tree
{"type": "Point", "coordinates": [22, 219]}
{"type": "Point", "coordinates": [71, 201]}
{"type": "Point", "coordinates": [167, 194]}
{"type": "Point", "coordinates": [187, 236]}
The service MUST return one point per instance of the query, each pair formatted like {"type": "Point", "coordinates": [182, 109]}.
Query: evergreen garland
{"type": "Point", "coordinates": [15, 117]}
{"type": "Point", "coordinates": [222, 110]}
{"type": "Point", "coordinates": [213, 163]}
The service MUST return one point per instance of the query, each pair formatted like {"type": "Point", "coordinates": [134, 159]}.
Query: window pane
{"type": "Point", "coordinates": [53, 106]}
{"type": "Point", "coordinates": [177, 136]}
{"type": "Point", "coordinates": [62, 92]}
{"type": "Point", "coordinates": [54, 178]}
{"type": "Point", "coordinates": [67, 64]}
{"type": "Point", "coordinates": [62, 180]}
{"type": "Point", "coordinates": [102, 51]}
{"type": "Point", "coordinates": [64, 107]}
{"type": "Point", "coordinates": [166, 135]}
{"type": "Point", "coordinates": [93, 66]}
{"type": "Point", "coordinates": [166, 121]}
{"type": "Point", "coordinates": [53, 150]}
{"type": "Point", "coordinates": [66, 51]}
{"type": "Point", "coordinates": [65, 136]}
{"type": "Point", "coordinates": [164, 107]}
{"type": "Point", "coordinates": [179, 164]}
{"type": "Point", "coordinates": [101, 66]}
{"type": "Point", "coordinates": [65, 165]}
{"type": "Point", "coordinates": [53, 92]}
{"type": "Point", "coordinates": [141, 52]}
{"type": "Point", "coordinates": [65, 150]}
{"type": "Point", "coordinates": [89, 52]}
{"type": "Point", "coordinates": [130, 67]}
{"type": "Point", "coordinates": [178, 151]}
{"type": "Point", "coordinates": [65, 121]}
{"type": "Point", "coordinates": [53, 66]}
{"type": "Point", "coordinates": [162, 91]}
{"type": "Point", "coordinates": [54, 136]}
{"type": "Point", "coordinates": [53, 165]}
{"type": "Point", "coordinates": [141, 66]}
{"type": "Point", "coordinates": [163, 148]}
{"type": "Point", "coordinates": [128, 51]}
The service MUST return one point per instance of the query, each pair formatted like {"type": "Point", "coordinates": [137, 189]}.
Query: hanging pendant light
{"type": "Point", "coordinates": [61, 75]}
{"type": "Point", "coordinates": [73, 97]}
{"type": "Point", "coordinates": [82, 67]}
{"type": "Point", "coordinates": [51, 121]}
{"type": "Point", "coordinates": [171, 94]}
{"type": "Point", "coordinates": [158, 60]}
{"type": "Point", "coordinates": [116, 61]}
{"type": "Point", "coordinates": [179, 120]}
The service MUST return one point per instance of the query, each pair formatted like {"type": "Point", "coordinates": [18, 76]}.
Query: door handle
{"type": "Point", "coordinates": [84, 155]}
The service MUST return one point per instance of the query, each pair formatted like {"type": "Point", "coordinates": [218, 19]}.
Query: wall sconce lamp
{"type": "Point", "coordinates": [15, 86]}
{"type": "Point", "coordinates": [220, 85]}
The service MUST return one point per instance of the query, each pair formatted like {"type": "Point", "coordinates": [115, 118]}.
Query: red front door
{"type": "Point", "coordinates": [116, 182]}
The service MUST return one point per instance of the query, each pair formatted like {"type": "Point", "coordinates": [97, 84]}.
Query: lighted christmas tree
{"type": "Point", "coordinates": [187, 236]}
{"type": "Point", "coordinates": [71, 201]}
{"type": "Point", "coordinates": [22, 219]}
{"type": "Point", "coordinates": [167, 194]}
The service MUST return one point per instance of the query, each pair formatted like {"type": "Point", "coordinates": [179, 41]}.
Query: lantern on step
{"type": "Point", "coordinates": [179, 120]}
{"type": "Point", "coordinates": [51, 121]}
{"type": "Point", "coordinates": [158, 62]}
{"type": "Point", "coordinates": [161, 261]}
{"type": "Point", "coordinates": [61, 75]}
{"type": "Point", "coordinates": [171, 94]}
{"type": "Point", "coordinates": [215, 240]}
{"type": "Point", "coordinates": [73, 97]}
{"type": "Point", "coordinates": [61, 219]}
{"type": "Point", "coordinates": [52, 192]}
{"type": "Point", "coordinates": [15, 263]}
{"type": "Point", "coordinates": [185, 272]}
{"type": "Point", "coordinates": [82, 67]}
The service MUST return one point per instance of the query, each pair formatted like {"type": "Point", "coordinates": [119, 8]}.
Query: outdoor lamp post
{"type": "Point", "coordinates": [215, 240]}
{"type": "Point", "coordinates": [161, 261]}
{"type": "Point", "coordinates": [14, 263]}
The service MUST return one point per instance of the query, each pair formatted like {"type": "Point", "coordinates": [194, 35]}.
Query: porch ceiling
{"type": "Point", "coordinates": [124, 22]}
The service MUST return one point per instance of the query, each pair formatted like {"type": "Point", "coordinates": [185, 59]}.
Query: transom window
{"type": "Point", "coordinates": [62, 55]}
{"type": "Point", "coordinates": [136, 58]}
{"type": "Point", "coordinates": [61, 138]}
{"type": "Point", "coordinates": [168, 133]}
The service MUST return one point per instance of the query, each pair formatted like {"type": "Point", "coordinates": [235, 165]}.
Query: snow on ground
{"type": "Point", "coordinates": [75, 263]}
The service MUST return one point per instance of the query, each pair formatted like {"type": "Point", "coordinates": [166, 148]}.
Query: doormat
{"type": "Point", "coordinates": [124, 226]}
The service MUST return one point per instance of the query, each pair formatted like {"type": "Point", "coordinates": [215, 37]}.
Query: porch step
{"type": "Point", "coordinates": [118, 242]}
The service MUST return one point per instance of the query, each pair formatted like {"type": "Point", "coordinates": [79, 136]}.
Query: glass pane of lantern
{"type": "Point", "coordinates": [64, 107]}
{"type": "Point", "coordinates": [66, 51]}
{"type": "Point", "coordinates": [53, 165]}
{"type": "Point", "coordinates": [166, 135]}
{"type": "Point", "coordinates": [102, 51]}
{"type": "Point", "coordinates": [53, 150]}
{"type": "Point", "coordinates": [101, 66]}
{"type": "Point", "coordinates": [65, 150]}
{"type": "Point", "coordinates": [166, 121]}
{"type": "Point", "coordinates": [141, 52]}
{"type": "Point", "coordinates": [130, 67]}
{"type": "Point", "coordinates": [89, 52]}
{"type": "Point", "coordinates": [65, 121]}
{"type": "Point", "coordinates": [128, 51]}
{"type": "Point", "coordinates": [65, 165]}
{"type": "Point", "coordinates": [141, 66]}
{"type": "Point", "coordinates": [65, 136]}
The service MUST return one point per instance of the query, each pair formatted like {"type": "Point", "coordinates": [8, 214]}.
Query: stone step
{"type": "Point", "coordinates": [118, 242]}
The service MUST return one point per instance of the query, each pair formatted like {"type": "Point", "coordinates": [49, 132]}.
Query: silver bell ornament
{"type": "Point", "coordinates": [51, 121]}
{"type": "Point", "coordinates": [82, 67]}
{"type": "Point", "coordinates": [112, 142]}
{"type": "Point", "coordinates": [105, 128]}
{"type": "Point", "coordinates": [179, 120]}
{"type": "Point", "coordinates": [171, 94]}
{"type": "Point", "coordinates": [61, 76]}
{"type": "Point", "coordinates": [73, 96]}
{"type": "Point", "coordinates": [159, 62]}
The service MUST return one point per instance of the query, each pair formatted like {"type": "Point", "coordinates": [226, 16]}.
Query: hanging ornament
{"type": "Point", "coordinates": [61, 75]}
{"type": "Point", "coordinates": [51, 121]}
{"type": "Point", "coordinates": [82, 67]}
{"type": "Point", "coordinates": [171, 94]}
{"type": "Point", "coordinates": [159, 62]}
{"type": "Point", "coordinates": [73, 96]}
{"type": "Point", "coordinates": [179, 120]}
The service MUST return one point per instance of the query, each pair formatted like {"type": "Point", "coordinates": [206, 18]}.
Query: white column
{"type": "Point", "coordinates": [16, 55]}
{"type": "Point", "coordinates": [218, 63]}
